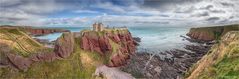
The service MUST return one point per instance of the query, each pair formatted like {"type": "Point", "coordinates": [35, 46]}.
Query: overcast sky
{"type": "Point", "coordinates": [119, 12]}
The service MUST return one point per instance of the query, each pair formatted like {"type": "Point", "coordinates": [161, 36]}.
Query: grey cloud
{"type": "Point", "coordinates": [213, 19]}
{"type": "Point", "coordinates": [152, 22]}
{"type": "Point", "coordinates": [217, 11]}
{"type": "Point", "coordinates": [227, 4]}
{"type": "Point", "coordinates": [164, 5]}
{"type": "Point", "coordinates": [210, 9]}
{"type": "Point", "coordinates": [200, 14]}
{"type": "Point", "coordinates": [159, 10]}
{"type": "Point", "coordinates": [189, 10]}
{"type": "Point", "coordinates": [17, 11]}
{"type": "Point", "coordinates": [207, 7]}
{"type": "Point", "coordinates": [224, 21]}
{"type": "Point", "coordinates": [9, 3]}
{"type": "Point", "coordinates": [231, 17]}
{"type": "Point", "coordinates": [13, 19]}
{"type": "Point", "coordinates": [164, 15]}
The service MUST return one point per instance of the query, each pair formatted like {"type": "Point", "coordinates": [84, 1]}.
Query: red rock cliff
{"type": "Point", "coordinates": [211, 33]}
{"type": "Point", "coordinates": [101, 42]}
{"type": "Point", "coordinates": [36, 31]}
{"type": "Point", "coordinates": [201, 34]}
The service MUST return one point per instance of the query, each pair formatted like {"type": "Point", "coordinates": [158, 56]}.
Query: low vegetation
{"type": "Point", "coordinates": [20, 42]}
{"type": "Point", "coordinates": [221, 62]}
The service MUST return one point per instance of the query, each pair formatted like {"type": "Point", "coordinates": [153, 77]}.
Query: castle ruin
{"type": "Point", "coordinates": [101, 27]}
{"type": "Point", "coordinates": [98, 27]}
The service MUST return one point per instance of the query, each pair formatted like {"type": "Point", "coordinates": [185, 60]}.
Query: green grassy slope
{"type": "Point", "coordinates": [221, 62]}
{"type": "Point", "coordinates": [19, 41]}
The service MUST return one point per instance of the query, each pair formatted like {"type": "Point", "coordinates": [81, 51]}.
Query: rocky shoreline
{"type": "Point", "coordinates": [172, 64]}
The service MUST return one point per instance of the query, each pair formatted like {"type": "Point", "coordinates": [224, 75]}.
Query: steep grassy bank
{"type": "Point", "coordinates": [221, 62]}
{"type": "Point", "coordinates": [19, 41]}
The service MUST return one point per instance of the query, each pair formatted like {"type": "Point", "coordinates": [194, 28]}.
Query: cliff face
{"type": "Point", "coordinates": [222, 61]}
{"type": "Point", "coordinates": [118, 44]}
{"type": "Point", "coordinates": [35, 30]}
{"type": "Point", "coordinates": [38, 31]}
{"type": "Point", "coordinates": [211, 33]}
{"type": "Point", "coordinates": [74, 56]}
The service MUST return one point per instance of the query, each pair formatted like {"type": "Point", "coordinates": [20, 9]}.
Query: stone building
{"type": "Point", "coordinates": [98, 27]}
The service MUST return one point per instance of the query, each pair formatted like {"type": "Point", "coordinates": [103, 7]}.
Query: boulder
{"type": "Point", "coordinates": [19, 62]}
{"type": "Point", "coordinates": [44, 56]}
{"type": "Point", "coordinates": [64, 45]}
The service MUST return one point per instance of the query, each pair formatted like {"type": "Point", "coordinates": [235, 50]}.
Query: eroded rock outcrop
{"type": "Point", "coordinates": [120, 44]}
{"type": "Point", "coordinates": [19, 62]}
{"type": "Point", "coordinates": [64, 45]}
{"type": "Point", "coordinates": [93, 42]}
{"type": "Point", "coordinates": [63, 48]}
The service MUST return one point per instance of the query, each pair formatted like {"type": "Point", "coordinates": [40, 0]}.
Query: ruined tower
{"type": "Point", "coordinates": [98, 27]}
{"type": "Point", "coordinates": [101, 27]}
{"type": "Point", "coordinates": [95, 27]}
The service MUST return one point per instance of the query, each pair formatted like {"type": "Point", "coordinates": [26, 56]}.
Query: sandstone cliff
{"type": "Point", "coordinates": [211, 33]}
{"type": "Point", "coordinates": [221, 62]}
{"type": "Point", "coordinates": [75, 55]}
{"type": "Point", "coordinates": [35, 30]}
{"type": "Point", "coordinates": [39, 31]}
{"type": "Point", "coordinates": [118, 44]}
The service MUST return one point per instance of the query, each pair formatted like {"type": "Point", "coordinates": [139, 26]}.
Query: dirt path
{"type": "Point", "coordinates": [112, 73]}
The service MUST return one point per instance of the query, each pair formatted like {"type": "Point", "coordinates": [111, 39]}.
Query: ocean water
{"type": "Point", "coordinates": [160, 38]}
{"type": "Point", "coordinates": [54, 36]}
{"type": "Point", "coordinates": [152, 38]}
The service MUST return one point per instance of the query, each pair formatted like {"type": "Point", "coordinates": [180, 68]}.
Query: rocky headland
{"type": "Point", "coordinates": [207, 34]}
{"type": "Point", "coordinates": [36, 31]}
{"type": "Point", "coordinates": [75, 55]}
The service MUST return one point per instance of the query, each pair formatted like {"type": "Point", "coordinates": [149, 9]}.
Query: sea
{"type": "Point", "coordinates": [152, 38]}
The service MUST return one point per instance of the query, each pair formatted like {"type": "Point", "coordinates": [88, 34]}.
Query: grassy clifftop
{"type": "Point", "coordinates": [221, 62]}
{"type": "Point", "coordinates": [211, 33]}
